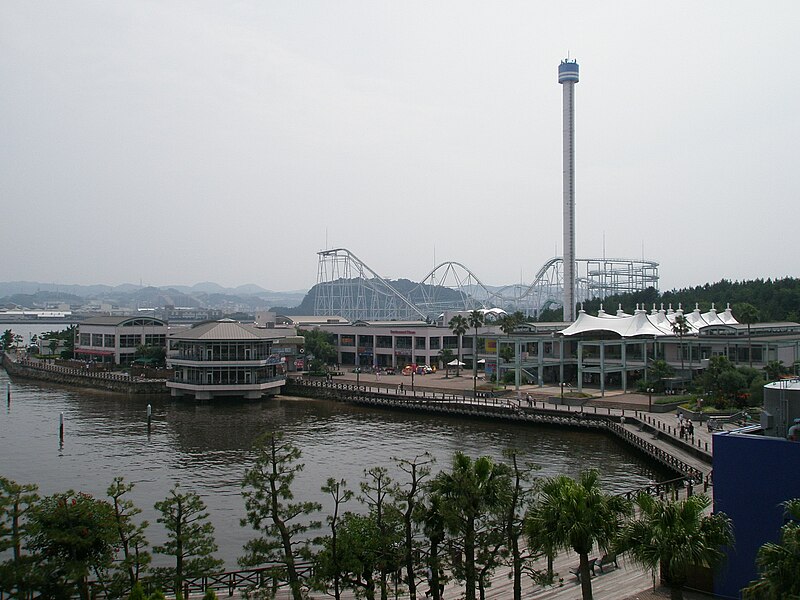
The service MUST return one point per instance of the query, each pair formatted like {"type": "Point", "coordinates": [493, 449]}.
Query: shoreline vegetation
{"type": "Point", "coordinates": [424, 530]}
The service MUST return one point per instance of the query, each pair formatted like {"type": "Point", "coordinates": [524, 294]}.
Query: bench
{"type": "Point", "coordinates": [577, 570]}
{"type": "Point", "coordinates": [606, 561]}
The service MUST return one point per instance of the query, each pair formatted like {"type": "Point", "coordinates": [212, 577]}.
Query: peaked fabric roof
{"type": "Point", "coordinates": [656, 324]}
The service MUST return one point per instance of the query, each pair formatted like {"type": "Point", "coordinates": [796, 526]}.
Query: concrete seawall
{"type": "Point", "coordinates": [112, 382]}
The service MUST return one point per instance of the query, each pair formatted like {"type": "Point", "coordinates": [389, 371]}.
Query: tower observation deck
{"type": "Point", "coordinates": [568, 77]}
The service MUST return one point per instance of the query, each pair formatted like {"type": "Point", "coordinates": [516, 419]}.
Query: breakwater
{"type": "Point", "coordinates": [25, 368]}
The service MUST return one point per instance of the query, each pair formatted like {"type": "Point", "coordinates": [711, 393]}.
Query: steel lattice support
{"type": "Point", "coordinates": [348, 288]}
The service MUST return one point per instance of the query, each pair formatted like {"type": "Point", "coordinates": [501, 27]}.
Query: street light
{"type": "Point", "coordinates": [412, 380]}
{"type": "Point", "coordinates": [358, 382]}
{"type": "Point", "coordinates": [650, 399]}
{"type": "Point", "coordinates": [562, 384]}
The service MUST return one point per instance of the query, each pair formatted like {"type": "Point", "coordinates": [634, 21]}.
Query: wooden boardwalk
{"type": "Point", "coordinates": [654, 435]}
{"type": "Point", "coordinates": [628, 582]}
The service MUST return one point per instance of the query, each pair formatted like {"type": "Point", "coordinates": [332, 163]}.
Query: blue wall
{"type": "Point", "coordinates": [753, 475]}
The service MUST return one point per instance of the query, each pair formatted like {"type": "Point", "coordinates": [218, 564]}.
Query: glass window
{"type": "Point", "coordinates": [435, 343]}
{"type": "Point", "coordinates": [97, 339]}
{"type": "Point", "coordinates": [129, 341]}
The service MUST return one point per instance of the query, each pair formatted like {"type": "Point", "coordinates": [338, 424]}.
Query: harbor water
{"type": "Point", "coordinates": [206, 448]}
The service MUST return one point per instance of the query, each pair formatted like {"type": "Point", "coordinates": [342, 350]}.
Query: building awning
{"type": "Point", "coordinates": [95, 352]}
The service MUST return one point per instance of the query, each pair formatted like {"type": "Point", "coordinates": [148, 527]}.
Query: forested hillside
{"type": "Point", "coordinates": [775, 299]}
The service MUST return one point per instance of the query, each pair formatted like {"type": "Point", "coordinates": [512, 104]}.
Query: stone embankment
{"type": "Point", "coordinates": [26, 368]}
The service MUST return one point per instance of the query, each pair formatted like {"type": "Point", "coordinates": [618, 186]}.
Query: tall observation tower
{"type": "Point", "coordinates": [568, 77]}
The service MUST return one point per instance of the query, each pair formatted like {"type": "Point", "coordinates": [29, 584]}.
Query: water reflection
{"type": "Point", "coordinates": [206, 448]}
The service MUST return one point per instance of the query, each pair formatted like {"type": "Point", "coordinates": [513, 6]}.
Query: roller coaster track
{"type": "Point", "coordinates": [349, 288]}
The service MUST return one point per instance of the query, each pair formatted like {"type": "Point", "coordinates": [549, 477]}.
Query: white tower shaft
{"type": "Point", "coordinates": [568, 77]}
{"type": "Point", "coordinates": [569, 199]}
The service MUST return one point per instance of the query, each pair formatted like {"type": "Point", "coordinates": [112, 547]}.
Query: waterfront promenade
{"type": "Point", "coordinates": [625, 415]}
{"type": "Point", "coordinates": [628, 581]}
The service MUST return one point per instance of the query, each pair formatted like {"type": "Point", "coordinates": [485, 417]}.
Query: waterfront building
{"type": "Point", "coordinates": [607, 350]}
{"type": "Point", "coordinates": [395, 344]}
{"type": "Point", "coordinates": [115, 339]}
{"type": "Point", "coordinates": [228, 358]}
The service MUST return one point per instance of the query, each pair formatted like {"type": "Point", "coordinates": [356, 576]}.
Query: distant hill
{"type": "Point", "coordinates": [404, 286]}
{"type": "Point", "coordinates": [249, 297]}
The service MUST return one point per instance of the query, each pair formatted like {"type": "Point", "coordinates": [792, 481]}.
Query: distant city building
{"type": "Point", "coordinates": [184, 314]}
{"type": "Point", "coordinates": [226, 358]}
{"type": "Point", "coordinates": [115, 339]}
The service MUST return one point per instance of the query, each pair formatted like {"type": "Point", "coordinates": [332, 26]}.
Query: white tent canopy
{"type": "Point", "coordinates": [656, 324]}
{"type": "Point", "coordinates": [455, 363]}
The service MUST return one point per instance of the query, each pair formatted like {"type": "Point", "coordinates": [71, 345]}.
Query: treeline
{"type": "Point", "coordinates": [775, 299]}
{"type": "Point", "coordinates": [462, 524]}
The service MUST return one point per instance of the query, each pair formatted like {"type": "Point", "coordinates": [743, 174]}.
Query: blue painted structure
{"type": "Point", "coordinates": [753, 475]}
{"type": "Point", "coordinates": [568, 71]}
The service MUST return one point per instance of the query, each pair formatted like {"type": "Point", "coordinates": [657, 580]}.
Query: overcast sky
{"type": "Point", "coordinates": [179, 142]}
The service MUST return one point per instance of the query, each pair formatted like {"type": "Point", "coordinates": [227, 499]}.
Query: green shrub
{"type": "Point", "coordinates": [210, 595]}
{"type": "Point", "coordinates": [137, 592]}
{"type": "Point", "coordinates": [157, 595]}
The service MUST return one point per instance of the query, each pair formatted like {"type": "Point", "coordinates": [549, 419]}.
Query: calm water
{"type": "Point", "coordinates": [206, 448]}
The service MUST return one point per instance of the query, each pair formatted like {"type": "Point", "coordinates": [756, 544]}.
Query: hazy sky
{"type": "Point", "coordinates": [178, 142]}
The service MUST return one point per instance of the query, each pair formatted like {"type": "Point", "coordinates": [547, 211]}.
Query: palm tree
{"type": "Point", "coordinates": [774, 369]}
{"type": "Point", "coordinates": [509, 322]}
{"type": "Point", "coordinates": [659, 371]}
{"type": "Point", "coordinates": [476, 320]}
{"type": "Point", "coordinates": [680, 327]}
{"type": "Point", "coordinates": [446, 356]}
{"type": "Point", "coordinates": [748, 314]}
{"type": "Point", "coordinates": [677, 535]}
{"type": "Point", "coordinates": [576, 515]}
{"type": "Point", "coordinates": [469, 492]}
{"type": "Point", "coordinates": [779, 564]}
{"type": "Point", "coordinates": [458, 325]}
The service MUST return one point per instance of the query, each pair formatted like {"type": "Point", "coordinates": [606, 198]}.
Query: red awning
{"type": "Point", "coordinates": [95, 352]}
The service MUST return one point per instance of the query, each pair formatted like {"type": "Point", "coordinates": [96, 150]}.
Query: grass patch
{"type": "Point", "coordinates": [673, 399]}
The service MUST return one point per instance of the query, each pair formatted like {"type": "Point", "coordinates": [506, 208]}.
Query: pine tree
{"type": "Point", "coordinates": [271, 512]}
{"type": "Point", "coordinates": [132, 541]}
{"type": "Point", "coordinates": [15, 502]}
{"type": "Point", "coordinates": [190, 537]}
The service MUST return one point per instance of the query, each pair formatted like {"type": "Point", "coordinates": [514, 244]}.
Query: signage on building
{"type": "Point", "coordinates": [396, 332]}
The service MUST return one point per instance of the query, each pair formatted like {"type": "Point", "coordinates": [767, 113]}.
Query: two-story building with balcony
{"type": "Point", "coordinates": [115, 339]}
{"type": "Point", "coordinates": [227, 358]}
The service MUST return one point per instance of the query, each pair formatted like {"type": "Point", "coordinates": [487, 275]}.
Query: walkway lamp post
{"type": "Point", "coordinates": [562, 384]}
{"type": "Point", "coordinates": [412, 381]}
{"type": "Point", "coordinates": [358, 381]}
{"type": "Point", "coordinates": [650, 399]}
